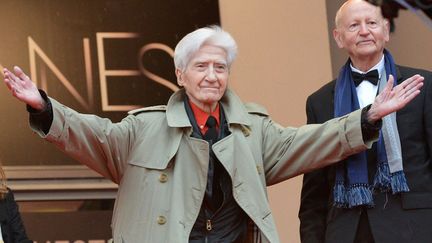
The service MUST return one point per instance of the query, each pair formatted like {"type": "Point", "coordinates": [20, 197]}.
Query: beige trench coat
{"type": "Point", "coordinates": [162, 171]}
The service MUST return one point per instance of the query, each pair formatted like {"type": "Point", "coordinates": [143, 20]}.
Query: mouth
{"type": "Point", "coordinates": [210, 88]}
{"type": "Point", "coordinates": [365, 42]}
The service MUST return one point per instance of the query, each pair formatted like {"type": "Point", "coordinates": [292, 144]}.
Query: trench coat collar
{"type": "Point", "coordinates": [235, 111]}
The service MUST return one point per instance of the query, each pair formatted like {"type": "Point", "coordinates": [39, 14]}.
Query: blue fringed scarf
{"type": "Point", "coordinates": [352, 187]}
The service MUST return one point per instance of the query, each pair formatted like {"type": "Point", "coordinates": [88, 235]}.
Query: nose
{"type": "Point", "coordinates": [364, 30]}
{"type": "Point", "coordinates": [211, 74]}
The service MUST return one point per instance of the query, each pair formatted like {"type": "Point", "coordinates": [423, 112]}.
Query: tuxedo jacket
{"type": "Point", "coordinates": [12, 228]}
{"type": "Point", "coordinates": [406, 217]}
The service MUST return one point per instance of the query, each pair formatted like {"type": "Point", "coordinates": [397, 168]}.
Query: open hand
{"type": "Point", "coordinates": [23, 88]}
{"type": "Point", "coordinates": [392, 99]}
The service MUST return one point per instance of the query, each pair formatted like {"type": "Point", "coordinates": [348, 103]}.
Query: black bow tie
{"type": "Point", "coordinates": [371, 76]}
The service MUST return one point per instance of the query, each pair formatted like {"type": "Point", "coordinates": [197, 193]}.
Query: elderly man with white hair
{"type": "Point", "coordinates": [196, 170]}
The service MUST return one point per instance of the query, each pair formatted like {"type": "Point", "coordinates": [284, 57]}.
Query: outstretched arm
{"type": "Point", "coordinates": [388, 101]}
{"type": "Point", "coordinates": [292, 151]}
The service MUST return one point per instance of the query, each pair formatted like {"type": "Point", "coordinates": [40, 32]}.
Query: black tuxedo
{"type": "Point", "coordinates": [395, 218]}
{"type": "Point", "coordinates": [12, 228]}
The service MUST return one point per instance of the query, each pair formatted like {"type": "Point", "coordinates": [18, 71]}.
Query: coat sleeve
{"type": "Point", "coordinates": [288, 152]}
{"type": "Point", "coordinates": [94, 141]}
{"type": "Point", "coordinates": [314, 198]}
{"type": "Point", "coordinates": [16, 225]}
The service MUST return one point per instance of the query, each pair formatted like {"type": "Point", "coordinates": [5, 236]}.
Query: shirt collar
{"type": "Point", "coordinates": [202, 116]}
{"type": "Point", "coordinates": [379, 66]}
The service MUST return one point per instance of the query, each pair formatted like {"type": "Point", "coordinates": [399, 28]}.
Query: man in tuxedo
{"type": "Point", "coordinates": [385, 193]}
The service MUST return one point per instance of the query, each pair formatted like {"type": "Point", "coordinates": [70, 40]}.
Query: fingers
{"type": "Point", "coordinates": [16, 79]}
{"type": "Point", "coordinates": [410, 88]}
{"type": "Point", "coordinates": [390, 80]}
{"type": "Point", "coordinates": [19, 72]}
{"type": "Point", "coordinates": [8, 83]}
{"type": "Point", "coordinates": [387, 91]}
{"type": "Point", "coordinates": [407, 89]}
{"type": "Point", "coordinates": [409, 97]}
{"type": "Point", "coordinates": [14, 84]}
{"type": "Point", "coordinates": [8, 79]}
{"type": "Point", "coordinates": [412, 81]}
{"type": "Point", "coordinates": [16, 76]}
{"type": "Point", "coordinates": [11, 76]}
{"type": "Point", "coordinates": [412, 92]}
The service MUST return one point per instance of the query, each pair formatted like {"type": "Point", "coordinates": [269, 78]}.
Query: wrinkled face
{"type": "Point", "coordinates": [361, 30]}
{"type": "Point", "coordinates": [205, 78]}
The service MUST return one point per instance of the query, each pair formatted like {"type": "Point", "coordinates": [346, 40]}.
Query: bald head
{"type": "Point", "coordinates": [340, 14]}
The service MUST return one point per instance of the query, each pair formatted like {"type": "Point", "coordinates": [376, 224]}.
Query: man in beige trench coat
{"type": "Point", "coordinates": [196, 170]}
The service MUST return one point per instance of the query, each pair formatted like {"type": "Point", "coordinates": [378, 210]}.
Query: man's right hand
{"type": "Point", "coordinates": [23, 88]}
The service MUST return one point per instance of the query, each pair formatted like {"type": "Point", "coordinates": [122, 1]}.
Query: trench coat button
{"type": "Point", "coordinates": [161, 220]}
{"type": "Point", "coordinates": [245, 131]}
{"type": "Point", "coordinates": [259, 169]}
{"type": "Point", "coordinates": [163, 178]}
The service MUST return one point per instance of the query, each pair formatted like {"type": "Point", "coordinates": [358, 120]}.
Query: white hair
{"type": "Point", "coordinates": [192, 42]}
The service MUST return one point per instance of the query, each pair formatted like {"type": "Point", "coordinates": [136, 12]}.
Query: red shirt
{"type": "Point", "coordinates": [202, 116]}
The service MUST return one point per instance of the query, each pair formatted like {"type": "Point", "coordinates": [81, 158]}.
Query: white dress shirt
{"type": "Point", "coordinates": [366, 91]}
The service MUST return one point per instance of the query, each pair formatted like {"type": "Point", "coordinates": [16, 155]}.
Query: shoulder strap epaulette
{"type": "Point", "coordinates": [135, 112]}
{"type": "Point", "coordinates": [254, 108]}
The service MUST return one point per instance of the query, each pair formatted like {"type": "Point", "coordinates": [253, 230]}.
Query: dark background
{"type": "Point", "coordinates": [58, 27]}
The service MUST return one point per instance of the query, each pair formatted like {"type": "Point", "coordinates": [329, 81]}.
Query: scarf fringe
{"type": "Point", "coordinates": [340, 195]}
{"type": "Point", "coordinates": [360, 194]}
{"type": "Point", "coordinates": [399, 183]}
{"type": "Point", "coordinates": [354, 195]}
{"type": "Point", "coordinates": [385, 182]}
{"type": "Point", "coordinates": [382, 179]}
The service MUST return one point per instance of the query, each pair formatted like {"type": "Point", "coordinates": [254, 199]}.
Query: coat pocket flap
{"type": "Point", "coordinates": [156, 153]}
{"type": "Point", "coordinates": [154, 164]}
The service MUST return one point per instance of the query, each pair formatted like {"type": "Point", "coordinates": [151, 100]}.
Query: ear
{"type": "Point", "coordinates": [338, 37]}
{"type": "Point", "coordinates": [179, 73]}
